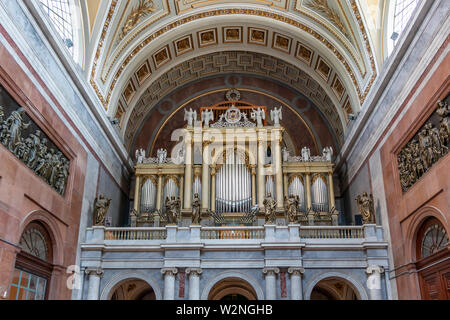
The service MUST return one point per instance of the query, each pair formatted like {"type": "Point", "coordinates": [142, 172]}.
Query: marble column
{"type": "Point", "coordinates": [296, 282]}
{"type": "Point", "coordinates": [278, 170]}
{"type": "Point", "coordinates": [285, 185]}
{"type": "Point", "coordinates": [374, 281]}
{"type": "Point", "coordinates": [137, 193]}
{"type": "Point", "coordinates": [169, 282]}
{"type": "Point", "coordinates": [331, 190]}
{"type": "Point", "coordinates": [159, 192]}
{"type": "Point", "coordinates": [194, 283]}
{"type": "Point", "coordinates": [188, 171]}
{"type": "Point", "coordinates": [181, 189]}
{"type": "Point", "coordinates": [308, 191]}
{"type": "Point", "coordinates": [271, 282]}
{"type": "Point", "coordinates": [205, 184]}
{"type": "Point", "coordinates": [261, 159]}
{"type": "Point", "coordinates": [95, 275]}
{"type": "Point", "coordinates": [253, 170]}
{"type": "Point", "coordinates": [213, 188]}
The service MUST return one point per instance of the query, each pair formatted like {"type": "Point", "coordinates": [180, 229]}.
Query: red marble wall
{"type": "Point", "coordinates": [25, 197]}
{"type": "Point", "coordinates": [430, 195]}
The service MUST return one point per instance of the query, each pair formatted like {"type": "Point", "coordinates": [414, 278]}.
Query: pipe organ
{"type": "Point", "coordinates": [234, 171]}
{"type": "Point", "coordinates": [233, 184]}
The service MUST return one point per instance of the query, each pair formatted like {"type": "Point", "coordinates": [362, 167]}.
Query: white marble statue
{"type": "Point", "coordinates": [306, 154]}
{"type": "Point", "coordinates": [161, 154]}
{"type": "Point", "coordinates": [285, 154]}
{"type": "Point", "coordinates": [259, 115]}
{"type": "Point", "coordinates": [207, 116]}
{"type": "Point", "coordinates": [190, 116]}
{"type": "Point", "coordinates": [276, 116]}
{"type": "Point", "coordinates": [327, 153]}
{"type": "Point", "coordinates": [140, 156]}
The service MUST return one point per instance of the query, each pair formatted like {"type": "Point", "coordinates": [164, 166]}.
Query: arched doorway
{"type": "Point", "coordinates": [232, 289]}
{"type": "Point", "coordinates": [33, 267]}
{"type": "Point", "coordinates": [334, 289]}
{"type": "Point", "coordinates": [133, 289]}
{"type": "Point", "coordinates": [433, 265]}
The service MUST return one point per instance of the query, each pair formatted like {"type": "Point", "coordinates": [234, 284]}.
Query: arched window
{"type": "Point", "coordinates": [33, 265]}
{"type": "Point", "coordinates": [399, 15]}
{"type": "Point", "coordinates": [65, 17]}
{"type": "Point", "coordinates": [431, 238]}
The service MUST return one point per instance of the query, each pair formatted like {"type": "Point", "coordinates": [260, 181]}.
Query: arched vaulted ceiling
{"type": "Point", "coordinates": [147, 48]}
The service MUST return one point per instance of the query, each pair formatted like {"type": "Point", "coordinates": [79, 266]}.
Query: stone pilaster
{"type": "Point", "coordinates": [169, 282]}
{"type": "Point", "coordinates": [194, 283]}
{"type": "Point", "coordinates": [374, 281]}
{"type": "Point", "coordinates": [271, 282]}
{"type": "Point", "coordinates": [95, 275]}
{"type": "Point", "coordinates": [296, 282]}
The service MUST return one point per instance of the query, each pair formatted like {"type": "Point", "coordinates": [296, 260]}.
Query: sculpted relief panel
{"type": "Point", "coordinates": [428, 145]}
{"type": "Point", "coordinates": [22, 137]}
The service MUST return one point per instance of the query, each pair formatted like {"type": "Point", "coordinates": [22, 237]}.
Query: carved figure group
{"type": "Point", "coordinates": [190, 116]}
{"type": "Point", "coordinates": [269, 208]}
{"type": "Point", "coordinates": [207, 116]}
{"type": "Point", "coordinates": [258, 115]}
{"type": "Point", "coordinates": [173, 209]}
{"type": "Point", "coordinates": [422, 152]}
{"type": "Point", "coordinates": [101, 206]}
{"type": "Point", "coordinates": [291, 206]}
{"type": "Point", "coordinates": [366, 208]}
{"type": "Point", "coordinates": [276, 116]}
{"type": "Point", "coordinates": [48, 163]}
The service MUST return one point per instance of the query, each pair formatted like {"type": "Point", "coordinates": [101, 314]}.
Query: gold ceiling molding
{"type": "Point", "coordinates": [144, 8]}
{"type": "Point", "coordinates": [322, 7]}
{"type": "Point", "coordinates": [256, 12]}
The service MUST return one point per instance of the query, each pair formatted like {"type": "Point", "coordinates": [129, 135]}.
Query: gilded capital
{"type": "Point", "coordinates": [271, 271]}
{"type": "Point", "coordinates": [296, 271]}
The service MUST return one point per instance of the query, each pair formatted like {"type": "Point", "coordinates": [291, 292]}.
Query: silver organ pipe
{"type": "Point", "coordinates": [270, 187]}
{"type": "Point", "coordinates": [233, 185]}
{"type": "Point", "coordinates": [319, 194]}
{"type": "Point", "coordinates": [197, 187]}
{"type": "Point", "coordinates": [297, 188]}
{"type": "Point", "coordinates": [148, 196]}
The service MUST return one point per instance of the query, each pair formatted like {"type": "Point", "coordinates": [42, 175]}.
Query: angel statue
{"type": "Point", "coordinates": [259, 115]}
{"type": "Point", "coordinates": [269, 208]}
{"type": "Point", "coordinates": [285, 154]}
{"type": "Point", "coordinates": [366, 209]}
{"type": "Point", "coordinates": [207, 116]}
{"type": "Point", "coordinates": [306, 154]}
{"type": "Point", "coordinates": [190, 116]}
{"type": "Point", "coordinates": [276, 116]}
{"type": "Point", "coordinates": [161, 154]}
{"type": "Point", "coordinates": [327, 153]}
{"type": "Point", "coordinates": [101, 206]}
{"type": "Point", "coordinates": [140, 156]}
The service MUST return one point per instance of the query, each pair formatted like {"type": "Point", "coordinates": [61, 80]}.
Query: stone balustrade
{"type": "Point", "coordinates": [290, 233]}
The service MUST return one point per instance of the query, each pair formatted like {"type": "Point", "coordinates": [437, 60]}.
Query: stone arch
{"type": "Point", "coordinates": [356, 285]}
{"type": "Point", "coordinates": [232, 274]}
{"type": "Point", "coordinates": [417, 220]}
{"type": "Point", "coordinates": [52, 229]}
{"type": "Point", "coordinates": [122, 277]}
